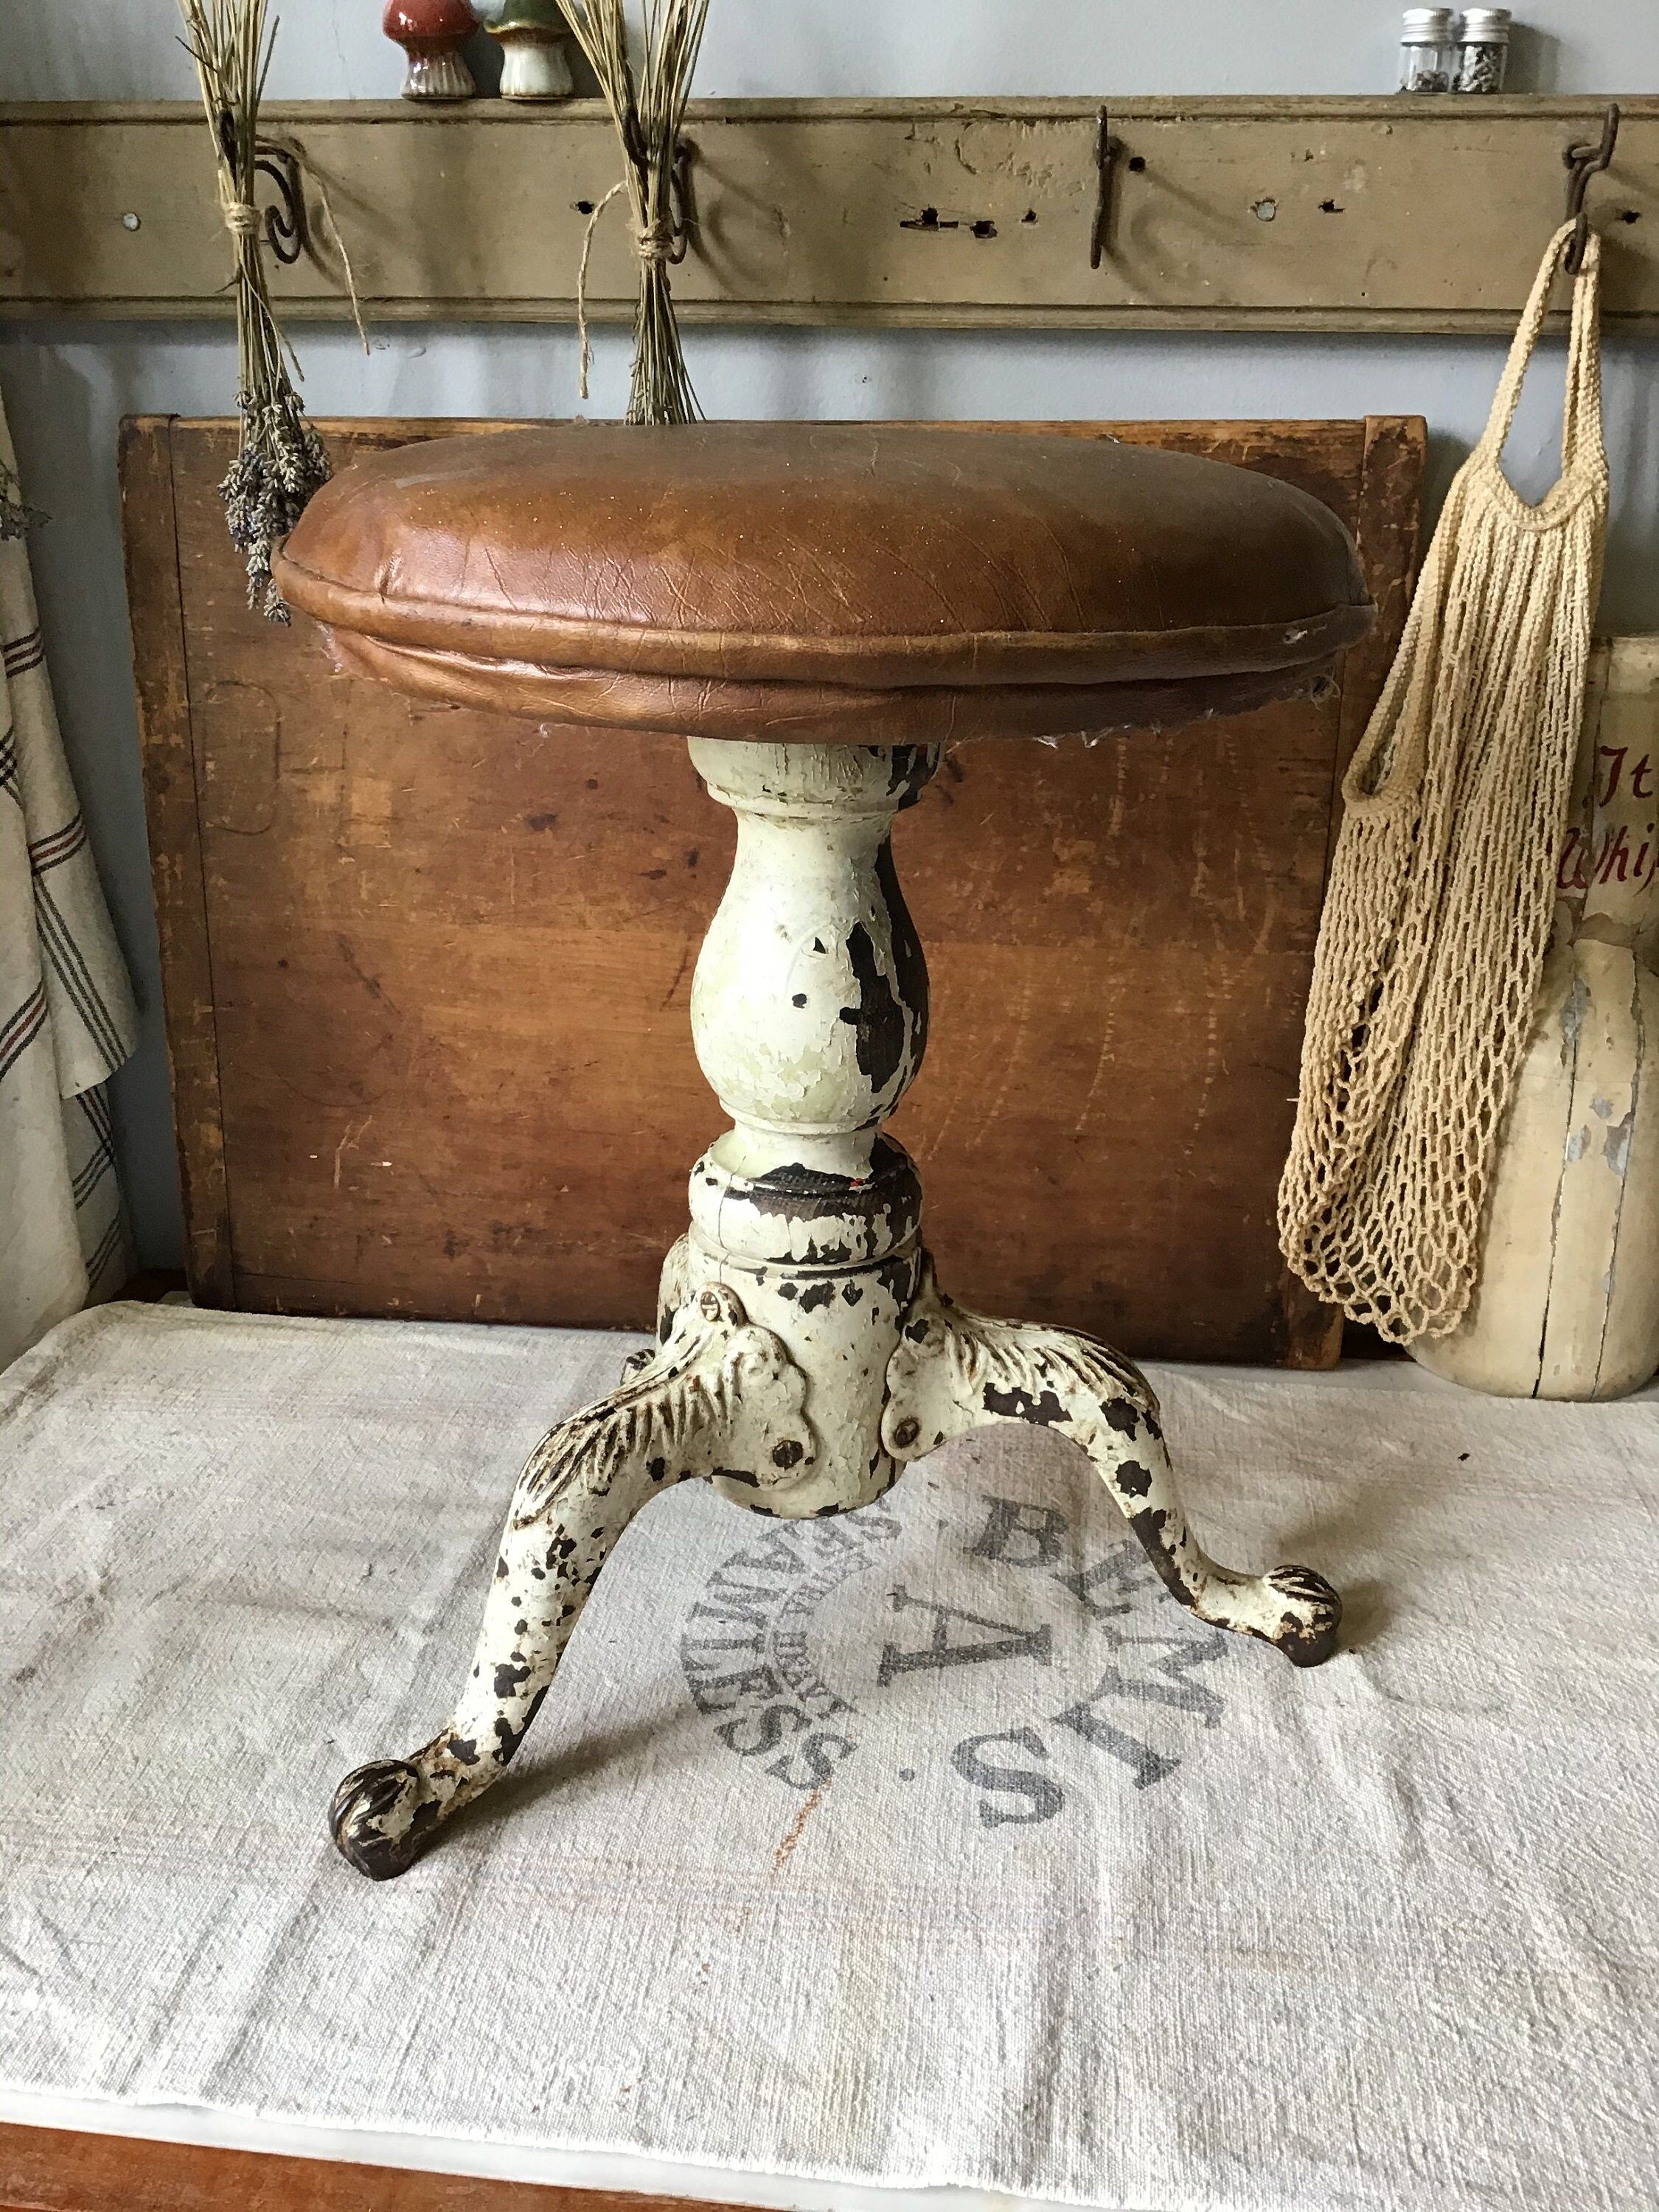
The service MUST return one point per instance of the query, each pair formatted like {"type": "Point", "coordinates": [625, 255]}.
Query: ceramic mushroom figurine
{"type": "Point", "coordinates": [432, 34]}
{"type": "Point", "coordinates": [534, 59]}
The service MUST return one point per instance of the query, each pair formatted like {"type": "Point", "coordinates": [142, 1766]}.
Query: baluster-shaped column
{"type": "Point", "coordinates": [808, 1009]}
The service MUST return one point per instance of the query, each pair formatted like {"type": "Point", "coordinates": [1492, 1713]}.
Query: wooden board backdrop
{"type": "Point", "coordinates": [426, 971]}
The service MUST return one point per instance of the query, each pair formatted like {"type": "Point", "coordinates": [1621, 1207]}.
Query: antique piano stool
{"type": "Point", "coordinates": [820, 609]}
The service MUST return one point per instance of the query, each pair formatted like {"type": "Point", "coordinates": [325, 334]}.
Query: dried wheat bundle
{"type": "Point", "coordinates": [648, 109]}
{"type": "Point", "coordinates": [280, 461]}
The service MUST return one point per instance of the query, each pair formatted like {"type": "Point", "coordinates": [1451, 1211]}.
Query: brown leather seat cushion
{"type": "Point", "coordinates": [870, 582]}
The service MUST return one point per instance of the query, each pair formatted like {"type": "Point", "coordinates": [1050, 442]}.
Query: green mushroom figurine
{"type": "Point", "coordinates": [534, 40]}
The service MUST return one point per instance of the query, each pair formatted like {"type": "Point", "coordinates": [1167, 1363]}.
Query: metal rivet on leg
{"type": "Point", "coordinates": [788, 1453]}
{"type": "Point", "coordinates": [906, 1433]}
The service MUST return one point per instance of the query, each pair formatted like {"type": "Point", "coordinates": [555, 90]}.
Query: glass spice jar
{"type": "Point", "coordinates": [1428, 50]}
{"type": "Point", "coordinates": [1483, 50]}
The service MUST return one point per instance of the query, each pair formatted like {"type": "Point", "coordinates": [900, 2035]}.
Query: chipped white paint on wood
{"type": "Point", "coordinates": [1568, 1300]}
{"type": "Point", "coordinates": [805, 1355]}
{"type": "Point", "coordinates": [809, 1005]}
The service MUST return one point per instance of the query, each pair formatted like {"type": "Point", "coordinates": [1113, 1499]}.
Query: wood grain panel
{"type": "Point", "coordinates": [451, 959]}
{"type": "Point", "coordinates": [55, 2170]}
{"type": "Point", "coordinates": [155, 594]}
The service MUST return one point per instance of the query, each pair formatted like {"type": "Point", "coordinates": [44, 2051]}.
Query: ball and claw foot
{"type": "Point", "coordinates": [955, 1371]}
{"type": "Point", "coordinates": [1308, 1626]}
{"type": "Point", "coordinates": [717, 1394]}
{"type": "Point", "coordinates": [379, 1817]}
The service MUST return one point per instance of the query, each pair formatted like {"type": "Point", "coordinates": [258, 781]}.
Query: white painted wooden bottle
{"type": "Point", "coordinates": [1567, 1304]}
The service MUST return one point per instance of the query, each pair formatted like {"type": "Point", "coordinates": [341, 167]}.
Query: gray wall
{"type": "Point", "coordinates": [66, 386]}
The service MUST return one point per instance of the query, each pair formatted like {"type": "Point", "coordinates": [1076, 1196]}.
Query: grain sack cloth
{"type": "Point", "coordinates": [927, 1846]}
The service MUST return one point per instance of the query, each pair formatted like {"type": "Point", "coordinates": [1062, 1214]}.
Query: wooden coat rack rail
{"type": "Point", "coordinates": [1373, 214]}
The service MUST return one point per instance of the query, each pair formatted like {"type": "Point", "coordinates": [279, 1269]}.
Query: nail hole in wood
{"type": "Point", "coordinates": [1327, 207]}
{"type": "Point", "coordinates": [1137, 162]}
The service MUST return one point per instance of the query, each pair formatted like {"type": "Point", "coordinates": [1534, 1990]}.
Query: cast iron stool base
{"type": "Point", "coordinates": [806, 1355]}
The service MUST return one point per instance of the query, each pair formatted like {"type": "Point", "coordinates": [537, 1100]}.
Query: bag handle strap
{"type": "Point", "coordinates": [1581, 418]}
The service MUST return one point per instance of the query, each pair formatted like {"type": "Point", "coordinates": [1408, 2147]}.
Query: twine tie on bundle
{"type": "Point", "coordinates": [585, 341]}
{"type": "Point", "coordinates": [655, 244]}
{"type": "Point", "coordinates": [1437, 918]}
{"type": "Point", "coordinates": [243, 220]}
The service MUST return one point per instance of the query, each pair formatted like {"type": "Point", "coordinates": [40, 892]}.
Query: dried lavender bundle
{"type": "Point", "coordinates": [14, 516]}
{"type": "Point", "coordinates": [280, 461]}
{"type": "Point", "coordinates": [648, 109]}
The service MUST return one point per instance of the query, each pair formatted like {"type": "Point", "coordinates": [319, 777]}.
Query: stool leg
{"type": "Point", "coordinates": [956, 1371]}
{"type": "Point", "coordinates": [717, 1392]}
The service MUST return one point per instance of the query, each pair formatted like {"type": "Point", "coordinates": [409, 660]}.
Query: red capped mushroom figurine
{"type": "Point", "coordinates": [432, 34]}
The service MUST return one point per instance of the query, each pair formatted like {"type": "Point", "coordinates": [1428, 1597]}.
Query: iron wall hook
{"type": "Point", "coordinates": [1107, 149]}
{"type": "Point", "coordinates": [681, 204]}
{"type": "Point", "coordinates": [286, 230]}
{"type": "Point", "coordinates": [1583, 162]}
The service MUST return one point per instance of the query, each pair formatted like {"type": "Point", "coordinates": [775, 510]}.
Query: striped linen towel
{"type": "Point", "coordinates": [67, 1020]}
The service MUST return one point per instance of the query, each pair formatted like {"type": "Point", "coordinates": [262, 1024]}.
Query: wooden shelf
{"type": "Point", "coordinates": [1373, 214]}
